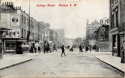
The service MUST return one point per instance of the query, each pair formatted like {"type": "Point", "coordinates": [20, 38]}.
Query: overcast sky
{"type": "Point", "coordinates": [72, 19]}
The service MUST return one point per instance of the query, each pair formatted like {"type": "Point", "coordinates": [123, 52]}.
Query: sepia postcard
{"type": "Point", "coordinates": [62, 39]}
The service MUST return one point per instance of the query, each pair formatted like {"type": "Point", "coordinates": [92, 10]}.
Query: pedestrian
{"type": "Point", "coordinates": [54, 47]}
{"type": "Point", "coordinates": [39, 49]}
{"type": "Point", "coordinates": [123, 52]}
{"type": "Point", "coordinates": [63, 51]}
{"type": "Point", "coordinates": [31, 50]}
{"type": "Point", "coordinates": [86, 48]}
{"type": "Point", "coordinates": [35, 49]}
{"type": "Point", "coordinates": [46, 46]}
{"type": "Point", "coordinates": [20, 49]}
{"type": "Point", "coordinates": [80, 48]}
{"type": "Point", "coordinates": [71, 49]}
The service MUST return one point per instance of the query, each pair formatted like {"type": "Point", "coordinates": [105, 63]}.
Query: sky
{"type": "Point", "coordinates": [73, 19]}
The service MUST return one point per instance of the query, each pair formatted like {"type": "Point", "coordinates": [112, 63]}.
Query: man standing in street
{"type": "Point", "coordinates": [80, 48]}
{"type": "Point", "coordinates": [63, 51]}
{"type": "Point", "coordinates": [123, 52]}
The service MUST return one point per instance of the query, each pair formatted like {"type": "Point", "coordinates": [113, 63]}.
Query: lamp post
{"type": "Point", "coordinates": [90, 43]}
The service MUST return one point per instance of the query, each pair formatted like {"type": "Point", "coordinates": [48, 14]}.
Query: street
{"type": "Point", "coordinates": [75, 64]}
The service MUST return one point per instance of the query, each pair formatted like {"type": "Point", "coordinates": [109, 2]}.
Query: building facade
{"type": "Point", "coordinates": [19, 28]}
{"type": "Point", "coordinates": [117, 25]}
{"type": "Point", "coordinates": [103, 37]}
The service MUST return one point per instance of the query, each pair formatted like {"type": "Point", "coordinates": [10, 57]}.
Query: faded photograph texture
{"type": "Point", "coordinates": [62, 39]}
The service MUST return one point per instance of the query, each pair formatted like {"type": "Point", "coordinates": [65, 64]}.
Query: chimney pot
{"type": "Point", "coordinates": [7, 3]}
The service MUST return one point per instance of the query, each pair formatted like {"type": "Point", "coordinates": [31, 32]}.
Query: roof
{"type": "Point", "coordinates": [5, 7]}
{"type": "Point", "coordinates": [95, 22]}
{"type": "Point", "coordinates": [106, 26]}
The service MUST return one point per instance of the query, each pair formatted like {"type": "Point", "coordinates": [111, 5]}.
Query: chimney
{"type": "Point", "coordinates": [7, 3]}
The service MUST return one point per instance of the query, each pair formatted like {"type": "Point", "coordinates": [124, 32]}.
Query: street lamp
{"type": "Point", "coordinates": [90, 43]}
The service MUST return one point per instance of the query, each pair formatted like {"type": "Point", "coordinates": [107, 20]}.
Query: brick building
{"type": "Point", "coordinates": [117, 25]}
{"type": "Point", "coordinates": [16, 25]}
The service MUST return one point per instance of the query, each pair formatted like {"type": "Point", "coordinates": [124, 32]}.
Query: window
{"type": "Point", "coordinates": [112, 21]}
{"type": "Point", "coordinates": [22, 18]}
{"type": "Point", "coordinates": [112, 2]}
{"type": "Point", "coordinates": [117, 19]}
{"type": "Point", "coordinates": [22, 33]}
{"type": "Point", "coordinates": [10, 46]}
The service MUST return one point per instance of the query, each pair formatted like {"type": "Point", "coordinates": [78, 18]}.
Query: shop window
{"type": "Point", "coordinates": [10, 46]}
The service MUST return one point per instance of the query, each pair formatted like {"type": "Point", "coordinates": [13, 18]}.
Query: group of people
{"type": "Point", "coordinates": [34, 49]}
{"type": "Point", "coordinates": [80, 48]}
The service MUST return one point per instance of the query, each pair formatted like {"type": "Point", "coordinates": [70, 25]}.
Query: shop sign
{"type": "Point", "coordinates": [15, 33]}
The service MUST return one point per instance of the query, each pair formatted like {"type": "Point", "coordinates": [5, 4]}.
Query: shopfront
{"type": "Point", "coordinates": [12, 45]}
{"type": "Point", "coordinates": [116, 44]}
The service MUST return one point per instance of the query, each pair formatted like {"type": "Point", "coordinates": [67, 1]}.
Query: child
{"type": "Point", "coordinates": [63, 50]}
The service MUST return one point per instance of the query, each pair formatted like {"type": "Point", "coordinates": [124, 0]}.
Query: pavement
{"type": "Point", "coordinates": [10, 60]}
{"type": "Point", "coordinates": [106, 57]}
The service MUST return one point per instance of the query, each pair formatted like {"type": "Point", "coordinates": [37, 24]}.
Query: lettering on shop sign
{"type": "Point", "coordinates": [59, 5]}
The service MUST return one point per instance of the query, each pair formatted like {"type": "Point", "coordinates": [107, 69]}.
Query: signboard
{"type": "Point", "coordinates": [15, 33]}
{"type": "Point", "coordinates": [15, 20]}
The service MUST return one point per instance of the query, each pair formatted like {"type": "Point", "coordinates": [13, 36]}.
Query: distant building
{"type": "Point", "coordinates": [90, 29]}
{"type": "Point", "coordinates": [103, 42]}
{"type": "Point", "coordinates": [69, 42]}
{"type": "Point", "coordinates": [61, 35]}
{"type": "Point", "coordinates": [53, 36]}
